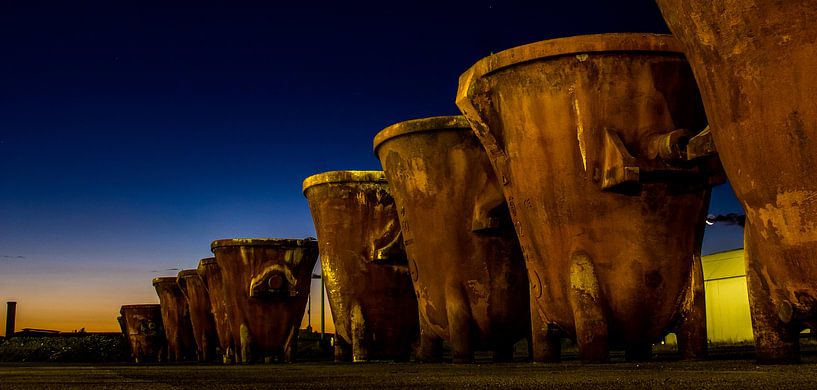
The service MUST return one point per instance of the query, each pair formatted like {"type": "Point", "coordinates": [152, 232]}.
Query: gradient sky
{"type": "Point", "coordinates": [132, 135]}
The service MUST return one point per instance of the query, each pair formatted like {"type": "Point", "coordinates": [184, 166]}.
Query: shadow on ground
{"type": "Point", "coordinates": [715, 374]}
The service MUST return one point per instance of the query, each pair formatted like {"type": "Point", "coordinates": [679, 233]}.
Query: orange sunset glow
{"type": "Point", "coordinates": [69, 299]}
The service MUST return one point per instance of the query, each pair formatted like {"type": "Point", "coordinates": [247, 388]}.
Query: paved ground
{"type": "Point", "coordinates": [717, 374]}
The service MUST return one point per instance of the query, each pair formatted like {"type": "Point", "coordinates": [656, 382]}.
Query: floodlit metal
{"type": "Point", "coordinates": [266, 286]}
{"type": "Point", "coordinates": [363, 264]}
{"type": "Point", "coordinates": [464, 258]}
{"type": "Point", "coordinates": [201, 316]}
{"type": "Point", "coordinates": [176, 320]}
{"type": "Point", "coordinates": [211, 275]}
{"type": "Point", "coordinates": [588, 136]}
{"type": "Point", "coordinates": [756, 65]}
{"type": "Point", "coordinates": [146, 336]}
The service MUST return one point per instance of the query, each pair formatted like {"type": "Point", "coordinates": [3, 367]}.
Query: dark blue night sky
{"type": "Point", "coordinates": [132, 135]}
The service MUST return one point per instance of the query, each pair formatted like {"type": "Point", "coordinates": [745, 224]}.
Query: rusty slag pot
{"type": "Point", "coordinates": [266, 287]}
{"type": "Point", "coordinates": [363, 265]}
{"type": "Point", "coordinates": [755, 63]}
{"type": "Point", "coordinates": [588, 135]}
{"type": "Point", "coordinates": [464, 258]}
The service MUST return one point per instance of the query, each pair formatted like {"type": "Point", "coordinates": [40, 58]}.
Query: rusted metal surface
{"type": "Point", "coordinates": [211, 275]}
{"type": "Point", "coordinates": [464, 258]}
{"type": "Point", "coordinates": [266, 286]}
{"type": "Point", "coordinates": [363, 264]}
{"type": "Point", "coordinates": [701, 145]}
{"type": "Point", "coordinates": [588, 136]}
{"type": "Point", "coordinates": [146, 336]}
{"type": "Point", "coordinates": [756, 66]}
{"type": "Point", "coordinates": [176, 320]}
{"type": "Point", "coordinates": [201, 316]}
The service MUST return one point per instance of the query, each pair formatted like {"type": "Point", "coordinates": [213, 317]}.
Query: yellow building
{"type": "Point", "coordinates": [727, 300]}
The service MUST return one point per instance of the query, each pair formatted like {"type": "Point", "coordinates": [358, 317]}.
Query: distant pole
{"type": "Point", "coordinates": [309, 312]}
{"type": "Point", "coordinates": [323, 311]}
{"type": "Point", "coordinates": [11, 314]}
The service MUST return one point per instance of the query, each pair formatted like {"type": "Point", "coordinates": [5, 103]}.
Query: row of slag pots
{"type": "Point", "coordinates": [570, 201]}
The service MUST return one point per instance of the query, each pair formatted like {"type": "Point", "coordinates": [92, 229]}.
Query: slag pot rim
{"type": "Point", "coordinates": [207, 261]}
{"type": "Point", "coordinates": [344, 176]}
{"type": "Point", "coordinates": [273, 242]}
{"type": "Point", "coordinates": [164, 279]}
{"type": "Point", "coordinates": [188, 272]}
{"type": "Point", "coordinates": [140, 306]}
{"type": "Point", "coordinates": [430, 124]}
{"type": "Point", "coordinates": [576, 45]}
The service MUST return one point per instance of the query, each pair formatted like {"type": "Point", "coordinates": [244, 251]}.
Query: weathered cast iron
{"type": "Point", "coordinates": [464, 258]}
{"type": "Point", "coordinates": [211, 275]}
{"type": "Point", "coordinates": [587, 135]}
{"type": "Point", "coordinates": [146, 336]}
{"type": "Point", "coordinates": [266, 286]}
{"type": "Point", "coordinates": [176, 320]}
{"type": "Point", "coordinates": [201, 317]}
{"type": "Point", "coordinates": [756, 66]}
{"type": "Point", "coordinates": [363, 265]}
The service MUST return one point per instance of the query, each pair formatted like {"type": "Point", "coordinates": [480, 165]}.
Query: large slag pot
{"type": "Point", "coordinates": [756, 66]}
{"type": "Point", "coordinates": [464, 258]}
{"type": "Point", "coordinates": [211, 275]}
{"type": "Point", "coordinates": [266, 286]}
{"type": "Point", "coordinates": [176, 319]}
{"type": "Point", "coordinates": [201, 317]}
{"type": "Point", "coordinates": [146, 336]}
{"type": "Point", "coordinates": [587, 135]}
{"type": "Point", "coordinates": [363, 264]}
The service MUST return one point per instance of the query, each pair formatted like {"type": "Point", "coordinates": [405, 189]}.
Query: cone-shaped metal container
{"type": "Point", "coordinates": [201, 317]}
{"type": "Point", "coordinates": [587, 135]}
{"type": "Point", "coordinates": [363, 265]}
{"type": "Point", "coordinates": [176, 320]}
{"type": "Point", "coordinates": [266, 286]}
{"type": "Point", "coordinates": [211, 275]}
{"type": "Point", "coordinates": [464, 258]}
{"type": "Point", "coordinates": [146, 336]}
{"type": "Point", "coordinates": [756, 65]}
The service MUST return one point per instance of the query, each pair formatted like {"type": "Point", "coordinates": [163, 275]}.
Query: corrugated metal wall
{"type": "Point", "coordinates": [727, 299]}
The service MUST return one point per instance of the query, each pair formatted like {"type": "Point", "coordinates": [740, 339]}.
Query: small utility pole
{"type": "Point", "coordinates": [309, 313]}
{"type": "Point", "coordinates": [323, 312]}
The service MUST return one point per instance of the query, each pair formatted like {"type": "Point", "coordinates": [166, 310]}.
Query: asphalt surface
{"type": "Point", "coordinates": [716, 374]}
